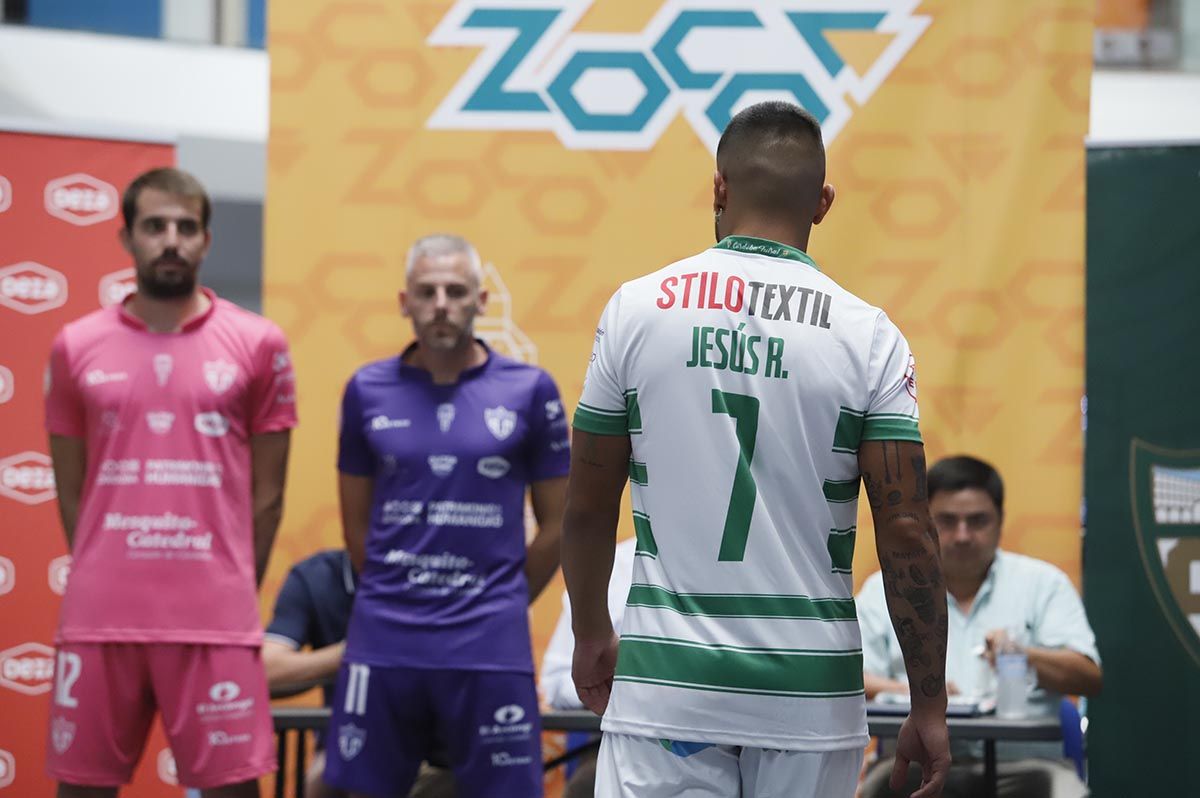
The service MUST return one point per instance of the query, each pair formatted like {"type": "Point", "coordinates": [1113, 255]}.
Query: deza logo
{"type": "Point", "coordinates": [27, 477]}
{"type": "Point", "coordinates": [81, 199]}
{"type": "Point", "coordinates": [27, 668]}
{"type": "Point", "coordinates": [29, 287]}
{"type": "Point", "coordinates": [115, 286]}
{"type": "Point", "coordinates": [705, 59]}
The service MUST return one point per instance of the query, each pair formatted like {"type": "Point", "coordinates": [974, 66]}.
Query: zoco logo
{"type": "Point", "coordinates": [29, 287]}
{"type": "Point", "coordinates": [611, 91]}
{"type": "Point", "coordinates": [115, 286]}
{"type": "Point", "coordinates": [81, 199]}
{"type": "Point", "coordinates": [27, 668]}
{"type": "Point", "coordinates": [27, 477]}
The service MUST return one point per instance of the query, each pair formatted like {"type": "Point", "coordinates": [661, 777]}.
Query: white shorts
{"type": "Point", "coordinates": [642, 767]}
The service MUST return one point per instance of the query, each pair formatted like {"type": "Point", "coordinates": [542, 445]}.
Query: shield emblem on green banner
{"type": "Point", "coordinates": [1165, 485]}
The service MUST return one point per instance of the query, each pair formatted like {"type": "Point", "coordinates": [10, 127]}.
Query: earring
{"type": "Point", "coordinates": [717, 214]}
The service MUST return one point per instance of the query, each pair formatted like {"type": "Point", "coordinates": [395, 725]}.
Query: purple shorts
{"type": "Point", "coordinates": [386, 721]}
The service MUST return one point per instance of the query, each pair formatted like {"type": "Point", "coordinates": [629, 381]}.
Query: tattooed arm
{"type": "Point", "coordinates": [909, 557]}
{"type": "Point", "coordinates": [599, 470]}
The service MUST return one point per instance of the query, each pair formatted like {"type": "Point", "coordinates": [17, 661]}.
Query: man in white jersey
{"type": "Point", "coordinates": [744, 394]}
{"type": "Point", "coordinates": [169, 418]}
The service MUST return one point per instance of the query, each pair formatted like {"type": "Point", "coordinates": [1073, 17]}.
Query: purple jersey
{"type": "Point", "coordinates": [444, 582]}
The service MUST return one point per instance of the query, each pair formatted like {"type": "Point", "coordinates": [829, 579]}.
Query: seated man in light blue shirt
{"type": "Point", "coordinates": [993, 596]}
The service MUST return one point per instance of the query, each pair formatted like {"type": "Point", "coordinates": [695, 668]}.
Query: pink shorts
{"type": "Point", "coordinates": [213, 699]}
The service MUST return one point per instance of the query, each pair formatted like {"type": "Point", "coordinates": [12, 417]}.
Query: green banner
{"type": "Point", "coordinates": [1141, 570]}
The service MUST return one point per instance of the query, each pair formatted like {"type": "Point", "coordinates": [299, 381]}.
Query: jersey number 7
{"type": "Point", "coordinates": [744, 410]}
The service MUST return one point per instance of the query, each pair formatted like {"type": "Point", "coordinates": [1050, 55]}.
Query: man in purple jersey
{"type": "Point", "coordinates": [437, 448]}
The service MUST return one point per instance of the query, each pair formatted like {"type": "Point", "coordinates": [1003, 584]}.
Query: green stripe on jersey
{"type": "Point", "coordinates": [890, 427]}
{"type": "Point", "coordinates": [840, 490]}
{"type": "Point", "coordinates": [764, 671]}
{"type": "Point", "coordinates": [848, 432]}
{"type": "Point", "coordinates": [638, 474]}
{"type": "Point", "coordinates": [600, 422]}
{"type": "Point", "coordinates": [645, 536]}
{"type": "Point", "coordinates": [633, 411]}
{"type": "Point", "coordinates": [841, 549]}
{"type": "Point", "coordinates": [742, 605]}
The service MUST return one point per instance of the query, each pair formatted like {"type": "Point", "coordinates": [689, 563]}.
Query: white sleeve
{"type": "Point", "coordinates": [892, 413]}
{"type": "Point", "coordinates": [601, 409]}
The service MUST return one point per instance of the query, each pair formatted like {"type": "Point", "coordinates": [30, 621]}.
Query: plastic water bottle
{"type": "Point", "coordinates": [1012, 681]}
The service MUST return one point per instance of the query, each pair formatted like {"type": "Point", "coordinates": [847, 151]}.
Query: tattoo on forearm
{"type": "Point", "coordinates": [920, 493]}
{"type": "Point", "coordinates": [932, 685]}
{"type": "Point", "coordinates": [894, 498]}
{"type": "Point", "coordinates": [874, 492]}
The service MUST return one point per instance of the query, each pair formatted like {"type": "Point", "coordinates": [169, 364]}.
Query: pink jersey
{"type": "Point", "coordinates": [164, 539]}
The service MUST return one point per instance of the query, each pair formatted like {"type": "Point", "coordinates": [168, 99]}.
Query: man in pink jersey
{"type": "Point", "coordinates": [169, 418]}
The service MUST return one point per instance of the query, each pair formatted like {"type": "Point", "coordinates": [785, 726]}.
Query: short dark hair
{"type": "Point", "coordinates": [772, 153]}
{"type": "Point", "coordinates": [169, 180]}
{"type": "Point", "coordinates": [963, 471]}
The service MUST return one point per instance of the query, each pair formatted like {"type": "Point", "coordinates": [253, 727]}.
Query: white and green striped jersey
{"type": "Point", "coordinates": [746, 380]}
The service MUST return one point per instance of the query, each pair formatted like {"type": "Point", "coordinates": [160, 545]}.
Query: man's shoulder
{"type": "Point", "coordinates": [378, 372]}
{"type": "Point", "coordinates": [1022, 568]}
{"type": "Point", "coordinates": [247, 322]}
{"type": "Point", "coordinates": [323, 570]}
{"type": "Point", "coordinates": [92, 326]}
{"type": "Point", "coordinates": [516, 372]}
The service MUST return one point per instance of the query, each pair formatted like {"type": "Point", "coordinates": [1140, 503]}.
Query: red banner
{"type": "Point", "coordinates": [60, 212]}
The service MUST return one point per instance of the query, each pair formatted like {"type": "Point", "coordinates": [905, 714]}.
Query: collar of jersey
{"type": "Point", "coordinates": [765, 246]}
{"type": "Point", "coordinates": [466, 374]}
{"type": "Point", "coordinates": [192, 324]}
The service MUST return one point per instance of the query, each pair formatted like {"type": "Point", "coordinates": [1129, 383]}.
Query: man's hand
{"type": "Point", "coordinates": [999, 641]}
{"type": "Point", "coordinates": [592, 669]}
{"type": "Point", "coordinates": [923, 738]}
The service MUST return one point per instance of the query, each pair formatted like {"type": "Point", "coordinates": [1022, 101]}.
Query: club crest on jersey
{"type": "Point", "coordinates": [219, 374]}
{"type": "Point", "coordinates": [445, 416]}
{"type": "Point", "coordinates": [500, 421]}
{"type": "Point", "coordinates": [62, 734]}
{"type": "Point", "coordinates": [351, 740]}
{"type": "Point", "coordinates": [163, 363]}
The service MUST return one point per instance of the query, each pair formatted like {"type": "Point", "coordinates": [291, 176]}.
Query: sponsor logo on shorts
{"type": "Point", "coordinates": [168, 773]}
{"type": "Point", "coordinates": [81, 199]}
{"type": "Point", "coordinates": [220, 737]}
{"type": "Point", "coordinates": [7, 385]}
{"type": "Point", "coordinates": [500, 421]}
{"type": "Point", "coordinates": [219, 375]}
{"type": "Point", "coordinates": [163, 365]}
{"type": "Point", "coordinates": [58, 572]}
{"type": "Point", "coordinates": [29, 287]}
{"type": "Point", "coordinates": [351, 740]}
{"type": "Point", "coordinates": [8, 768]}
{"type": "Point", "coordinates": [442, 464]}
{"type": "Point", "coordinates": [27, 478]}
{"type": "Point", "coordinates": [8, 575]}
{"type": "Point", "coordinates": [381, 423]}
{"type": "Point", "coordinates": [445, 416]}
{"type": "Point", "coordinates": [160, 421]}
{"type": "Point", "coordinates": [510, 724]}
{"type": "Point", "coordinates": [115, 286]}
{"type": "Point", "coordinates": [503, 759]}
{"type": "Point", "coordinates": [558, 446]}
{"type": "Point", "coordinates": [5, 194]}
{"type": "Point", "coordinates": [27, 668]}
{"type": "Point", "coordinates": [62, 734]}
{"type": "Point", "coordinates": [493, 467]}
{"type": "Point", "coordinates": [225, 701]}
{"type": "Point", "coordinates": [213, 424]}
